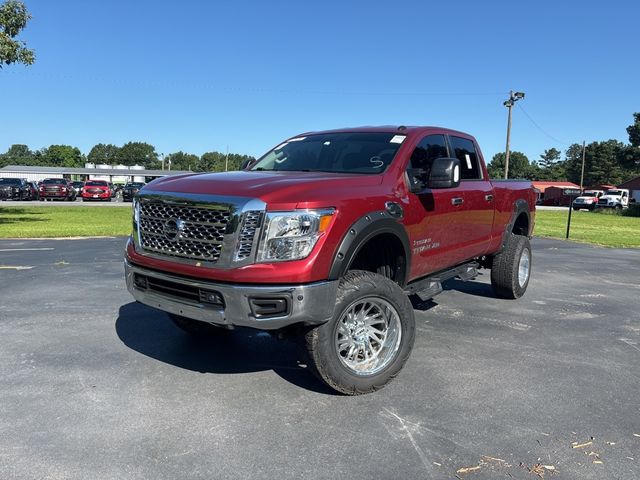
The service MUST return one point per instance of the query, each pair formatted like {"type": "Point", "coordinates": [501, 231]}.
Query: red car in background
{"type": "Point", "coordinates": [56, 189]}
{"type": "Point", "coordinates": [96, 190]}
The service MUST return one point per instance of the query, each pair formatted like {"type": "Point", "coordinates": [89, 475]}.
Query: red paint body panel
{"type": "Point", "coordinates": [440, 234]}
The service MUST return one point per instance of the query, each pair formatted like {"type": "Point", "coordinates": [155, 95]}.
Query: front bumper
{"type": "Point", "coordinates": [310, 304]}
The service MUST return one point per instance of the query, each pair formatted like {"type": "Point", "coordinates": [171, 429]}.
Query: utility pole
{"type": "Point", "coordinates": [513, 98]}
{"type": "Point", "coordinates": [582, 172]}
{"type": "Point", "coordinates": [162, 159]}
{"type": "Point", "coordinates": [226, 160]}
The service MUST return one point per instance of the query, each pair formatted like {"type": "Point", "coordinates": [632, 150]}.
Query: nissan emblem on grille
{"type": "Point", "coordinates": [173, 228]}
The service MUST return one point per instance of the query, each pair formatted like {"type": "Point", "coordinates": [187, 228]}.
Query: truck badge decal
{"type": "Point", "coordinates": [173, 228]}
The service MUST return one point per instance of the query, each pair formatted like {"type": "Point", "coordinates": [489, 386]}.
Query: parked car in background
{"type": "Point", "coordinates": [614, 198]}
{"type": "Point", "coordinates": [588, 200]}
{"type": "Point", "coordinates": [14, 189]}
{"type": "Point", "coordinates": [77, 186]}
{"type": "Point", "coordinates": [34, 194]}
{"type": "Point", "coordinates": [96, 190]}
{"type": "Point", "coordinates": [130, 189]}
{"type": "Point", "coordinates": [56, 189]}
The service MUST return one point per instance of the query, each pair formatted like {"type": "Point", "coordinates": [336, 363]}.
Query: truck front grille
{"type": "Point", "coordinates": [185, 231]}
{"type": "Point", "coordinates": [247, 234]}
{"type": "Point", "coordinates": [602, 201]}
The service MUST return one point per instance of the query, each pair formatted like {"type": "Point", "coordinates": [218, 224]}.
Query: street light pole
{"type": "Point", "coordinates": [582, 171]}
{"type": "Point", "coordinates": [513, 98]}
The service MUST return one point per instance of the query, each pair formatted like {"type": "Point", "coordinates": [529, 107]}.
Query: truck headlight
{"type": "Point", "coordinates": [292, 235]}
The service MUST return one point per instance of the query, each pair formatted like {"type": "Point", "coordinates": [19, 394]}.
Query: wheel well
{"type": "Point", "coordinates": [521, 225]}
{"type": "Point", "coordinates": [382, 254]}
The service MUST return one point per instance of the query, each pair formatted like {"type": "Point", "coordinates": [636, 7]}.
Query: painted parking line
{"type": "Point", "coordinates": [18, 267]}
{"type": "Point", "coordinates": [24, 249]}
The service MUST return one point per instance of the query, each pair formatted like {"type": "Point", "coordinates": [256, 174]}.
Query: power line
{"type": "Point", "coordinates": [542, 129]}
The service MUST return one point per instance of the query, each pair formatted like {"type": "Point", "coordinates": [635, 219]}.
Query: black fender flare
{"type": "Point", "coordinates": [363, 230]}
{"type": "Point", "coordinates": [519, 207]}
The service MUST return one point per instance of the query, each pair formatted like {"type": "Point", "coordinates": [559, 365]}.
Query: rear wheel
{"type": "Point", "coordinates": [511, 268]}
{"type": "Point", "coordinates": [197, 328]}
{"type": "Point", "coordinates": [368, 340]}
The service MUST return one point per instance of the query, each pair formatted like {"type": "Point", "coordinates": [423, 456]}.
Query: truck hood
{"type": "Point", "coordinates": [272, 187]}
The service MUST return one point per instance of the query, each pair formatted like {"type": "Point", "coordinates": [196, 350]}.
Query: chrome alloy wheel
{"type": "Point", "coordinates": [368, 335]}
{"type": "Point", "coordinates": [523, 267]}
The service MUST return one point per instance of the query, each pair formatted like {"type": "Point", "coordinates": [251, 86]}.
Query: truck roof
{"type": "Point", "coordinates": [399, 129]}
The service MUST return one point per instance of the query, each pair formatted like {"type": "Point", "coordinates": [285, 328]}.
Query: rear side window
{"type": "Point", "coordinates": [465, 151]}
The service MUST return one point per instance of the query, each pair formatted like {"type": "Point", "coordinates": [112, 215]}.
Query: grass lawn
{"type": "Point", "coordinates": [37, 222]}
{"type": "Point", "coordinates": [589, 227]}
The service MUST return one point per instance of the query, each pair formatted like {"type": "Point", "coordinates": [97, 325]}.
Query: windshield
{"type": "Point", "coordinates": [613, 192]}
{"type": "Point", "coordinates": [588, 194]}
{"type": "Point", "coordinates": [95, 184]}
{"type": "Point", "coordinates": [9, 181]}
{"type": "Point", "coordinates": [334, 152]}
{"type": "Point", "coordinates": [134, 185]}
{"type": "Point", "coordinates": [55, 181]}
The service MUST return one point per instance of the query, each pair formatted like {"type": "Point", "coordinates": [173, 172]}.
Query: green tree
{"type": "Point", "coordinates": [519, 166]}
{"type": "Point", "coordinates": [218, 162]}
{"type": "Point", "coordinates": [13, 18]}
{"type": "Point", "coordinates": [63, 156]}
{"type": "Point", "coordinates": [601, 163]}
{"type": "Point", "coordinates": [102, 153]}
{"type": "Point", "coordinates": [634, 131]}
{"type": "Point", "coordinates": [182, 161]}
{"type": "Point", "coordinates": [138, 153]}
{"type": "Point", "coordinates": [551, 167]}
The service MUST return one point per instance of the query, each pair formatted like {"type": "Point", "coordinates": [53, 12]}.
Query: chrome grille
{"type": "Point", "coordinates": [200, 230]}
{"type": "Point", "coordinates": [250, 225]}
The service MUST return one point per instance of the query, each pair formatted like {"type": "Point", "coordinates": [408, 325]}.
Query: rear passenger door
{"type": "Point", "coordinates": [476, 215]}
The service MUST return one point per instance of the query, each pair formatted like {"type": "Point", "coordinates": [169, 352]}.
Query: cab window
{"type": "Point", "coordinates": [465, 151]}
{"type": "Point", "coordinates": [429, 148]}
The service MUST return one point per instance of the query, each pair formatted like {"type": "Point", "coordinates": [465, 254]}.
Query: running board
{"type": "Point", "coordinates": [428, 287]}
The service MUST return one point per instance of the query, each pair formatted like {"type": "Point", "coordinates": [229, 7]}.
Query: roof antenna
{"type": "Point", "coordinates": [402, 127]}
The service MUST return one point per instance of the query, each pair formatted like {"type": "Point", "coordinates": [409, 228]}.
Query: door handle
{"type": "Point", "coordinates": [457, 201]}
{"type": "Point", "coordinates": [488, 198]}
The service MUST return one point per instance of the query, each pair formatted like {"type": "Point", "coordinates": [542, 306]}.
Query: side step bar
{"type": "Point", "coordinates": [428, 287]}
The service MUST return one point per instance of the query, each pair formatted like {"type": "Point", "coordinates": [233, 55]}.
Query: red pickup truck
{"type": "Point", "coordinates": [327, 235]}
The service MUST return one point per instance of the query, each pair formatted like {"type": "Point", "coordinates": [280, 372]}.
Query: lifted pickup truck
{"type": "Point", "coordinates": [327, 234]}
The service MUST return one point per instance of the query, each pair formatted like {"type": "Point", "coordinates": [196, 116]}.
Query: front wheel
{"type": "Point", "coordinates": [368, 340]}
{"type": "Point", "coordinates": [511, 268]}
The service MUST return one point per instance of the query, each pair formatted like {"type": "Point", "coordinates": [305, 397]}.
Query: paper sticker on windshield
{"type": "Point", "coordinates": [468, 159]}
{"type": "Point", "coordinates": [398, 139]}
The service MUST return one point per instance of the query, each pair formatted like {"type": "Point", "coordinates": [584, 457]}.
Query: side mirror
{"type": "Point", "coordinates": [417, 179]}
{"type": "Point", "coordinates": [445, 173]}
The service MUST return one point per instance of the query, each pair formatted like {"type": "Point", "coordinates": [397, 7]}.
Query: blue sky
{"type": "Point", "coordinates": [200, 75]}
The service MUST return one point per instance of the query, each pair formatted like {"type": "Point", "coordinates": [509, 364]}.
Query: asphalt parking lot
{"type": "Point", "coordinates": [93, 385]}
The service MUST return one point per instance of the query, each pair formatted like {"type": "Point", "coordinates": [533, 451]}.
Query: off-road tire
{"type": "Point", "coordinates": [323, 356]}
{"type": "Point", "coordinates": [197, 328]}
{"type": "Point", "coordinates": [505, 268]}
